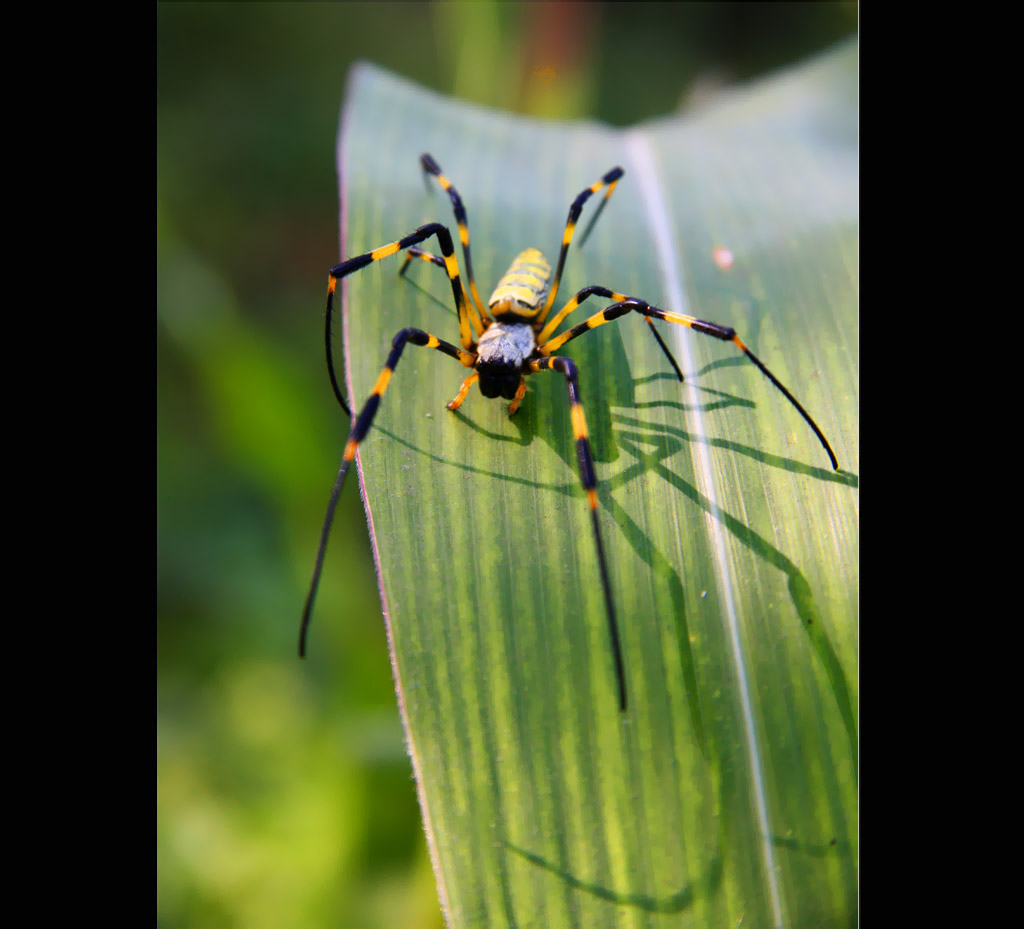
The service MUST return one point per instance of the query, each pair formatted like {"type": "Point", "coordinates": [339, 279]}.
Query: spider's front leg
{"type": "Point", "coordinates": [545, 335]}
{"type": "Point", "coordinates": [451, 265]}
{"type": "Point", "coordinates": [724, 333]}
{"type": "Point", "coordinates": [432, 168]}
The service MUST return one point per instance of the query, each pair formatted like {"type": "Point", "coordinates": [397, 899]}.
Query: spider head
{"type": "Point", "coordinates": [498, 380]}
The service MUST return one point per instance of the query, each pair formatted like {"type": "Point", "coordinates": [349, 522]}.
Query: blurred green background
{"type": "Point", "coordinates": [284, 795]}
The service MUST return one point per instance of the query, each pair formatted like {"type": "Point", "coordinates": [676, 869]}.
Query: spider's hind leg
{"type": "Point", "coordinates": [567, 368]}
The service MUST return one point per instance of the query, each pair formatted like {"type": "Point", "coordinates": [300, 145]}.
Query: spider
{"type": "Point", "coordinates": [506, 341]}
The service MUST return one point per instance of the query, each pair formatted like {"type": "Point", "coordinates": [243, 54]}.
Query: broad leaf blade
{"type": "Point", "coordinates": [728, 790]}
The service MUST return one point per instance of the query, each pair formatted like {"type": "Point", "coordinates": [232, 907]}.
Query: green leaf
{"type": "Point", "coordinates": [727, 794]}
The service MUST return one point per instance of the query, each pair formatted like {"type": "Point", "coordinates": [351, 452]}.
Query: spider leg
{"type": "Point", "coordinates": [456, 401]}
{"type": "Point", "coordinates": [518, 398]}
{"type": "Point", "coordinates": [567, 367]}
{"type": "Point", "coordinates": [609, 180]}
{"type": "Point", "coordinates": [545, 334]}
{"type": "Point", "coordinates": [725, 333]}
{"type": "Point", "coordinates": [360, 427]}
{"type": "Point", "coordinates": [431, 167]}
{"type": "Point", "coordinates": [444, 239]}
{"type": "Point", "coordinates": [413, 252]}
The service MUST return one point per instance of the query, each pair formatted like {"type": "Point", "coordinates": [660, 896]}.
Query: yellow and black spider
{"type": "Point", "coordinates": [504, 342]}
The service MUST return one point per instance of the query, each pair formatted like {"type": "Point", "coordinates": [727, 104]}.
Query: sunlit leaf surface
{"type": "Point", "coordinates": [727, 794]}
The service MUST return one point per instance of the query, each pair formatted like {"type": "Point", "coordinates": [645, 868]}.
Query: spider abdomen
{"type": "Point", "coordinates": [524, 288]}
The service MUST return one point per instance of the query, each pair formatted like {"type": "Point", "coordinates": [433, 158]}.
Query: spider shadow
{"type": "Point", "coordinates": [674, 903]}
{"type": "Point", "coordinates": [843, 849]}
{"type": "Point", "coordinates": [767, 459]}
{"type": "Point", "coordinates": [666, 441]}
{"type": "Point", "coordinates": [447, 307]}
{"type": "Point", "coordinates": [725, 401]}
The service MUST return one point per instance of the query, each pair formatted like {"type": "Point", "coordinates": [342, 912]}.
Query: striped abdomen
{"type": "Point", "coordinates": [524, 288]}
